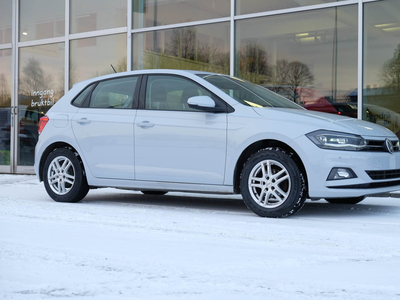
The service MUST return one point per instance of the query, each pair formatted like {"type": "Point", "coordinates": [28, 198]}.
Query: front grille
{"type": "Point", "coordinates": [379, 146]}
{"type": "Point", "coordinates": [384, 174]}
{"type": "Point", "coordinates": [372, 185]}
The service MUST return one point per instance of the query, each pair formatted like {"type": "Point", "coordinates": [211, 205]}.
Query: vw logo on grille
{"type": "Point", "coordinates": [389, 146]}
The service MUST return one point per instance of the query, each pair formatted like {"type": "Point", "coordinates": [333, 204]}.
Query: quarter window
{"type": "Point", "coordinates": [114, 93]}
{"type": "Point", "coordinates": [171, 93]}
{"type": "Point", "coordinates": [78, 102]}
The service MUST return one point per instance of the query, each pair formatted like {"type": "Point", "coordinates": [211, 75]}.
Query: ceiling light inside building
{"type": "Point", "coordinates": [391, 29]}
{"type": "Point", "coordinates": [385, 25]}
{"type": "Point", "coordinates": [302, 34]}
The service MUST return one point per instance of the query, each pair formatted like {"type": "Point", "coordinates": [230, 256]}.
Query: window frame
{"type": "Point", "coordinates": [86, 101]}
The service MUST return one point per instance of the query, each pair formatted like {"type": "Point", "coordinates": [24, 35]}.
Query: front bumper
{"type": "Point", "coordinates": [319, 162]}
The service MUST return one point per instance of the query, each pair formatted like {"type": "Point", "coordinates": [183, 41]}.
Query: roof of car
{"type": "Point", "coordinates": [147, 71]}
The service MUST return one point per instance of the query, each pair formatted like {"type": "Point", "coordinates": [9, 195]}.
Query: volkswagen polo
{"type": "Point", "coordinates": [157, 131]}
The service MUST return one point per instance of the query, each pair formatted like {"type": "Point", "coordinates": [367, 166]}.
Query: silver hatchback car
{"type": "Point", "coordinates": [170, 130]}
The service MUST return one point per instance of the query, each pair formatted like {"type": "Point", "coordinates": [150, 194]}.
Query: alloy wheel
{"type": "Point", "coordinates": [269, 183]}
{"type": "Point", "coordinates": [61, 175]}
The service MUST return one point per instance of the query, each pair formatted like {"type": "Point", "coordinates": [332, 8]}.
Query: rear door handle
{"type": "Point", "coordinates": [83, 121]}
{"type": "Point", "coordinates": [145, 124]}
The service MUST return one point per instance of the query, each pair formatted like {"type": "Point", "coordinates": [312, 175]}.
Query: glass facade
{"type": "Point", "coordinates": [255, 6]}
{"type": "Point", "coordinates": [89, 15]}
{"type": "Point", "coordinates": [41, 84]}
{"type": "Point", "coordinates": [310, 51]}
{"type": "Point", "coordinates": [149, 13]}
{"type": "Point", "coordinates": [96, 56]}
{"type": "Point", "coordinates": [381, 89]}
{"type": "Point", "coordinates": [5, 106]}
{"type": "Point", "coordinates": [41, 19]}
{"type": "Point", "coordinates": [5, 21]}
{"type": "Point", "coordinates": [203, 48]}
{"type": "Point", "coordinates": [309, 57]}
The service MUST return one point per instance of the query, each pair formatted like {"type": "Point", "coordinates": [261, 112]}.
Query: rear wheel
{"type": "Point", "coordinates": [154, 192]}
{"type": "Point", "coordinates": [63, 176]}
{"type": "Point", "coordinates": [353, 200]}
{"type": "Point", "coordinates": [272, 184]}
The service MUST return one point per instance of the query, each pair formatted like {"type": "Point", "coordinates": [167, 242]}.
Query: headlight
{"type": "Point", "coordinates": [337, 140]}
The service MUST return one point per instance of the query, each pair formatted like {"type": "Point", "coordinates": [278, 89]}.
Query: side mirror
{"type": "Point", "coordinates": [201, 102]}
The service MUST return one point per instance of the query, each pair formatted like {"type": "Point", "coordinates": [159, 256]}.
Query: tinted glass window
{"type": "Point", "coordinates": [202, 48]}
{"type": "Point", "coordinates": [255, 6]}
{"type": "Point", "coordinates": [41, 85]}
{"type": "Point", "coordinates": [5, 21]}
{"type": "Point", "coordinates": [114, 93]}
{"type": "Point", "coordinates": [92, 57]}
{"type": "Point", "coordinates": [90, 15]}
{"type": "Point", "coordinates": [309, 57]}
{"type": "Point", "coordinates": [381, 80]}
{"type": "Point", "coordinates": [41, 19]}
{"type": "Point", "coordinates": [82, 96]}
{"type": "Point", "coordinates": [5, 106]}
{"type": "Point", "coordinates": [171, 93]}
{"type": "Point", "coordinates": [149, 13]}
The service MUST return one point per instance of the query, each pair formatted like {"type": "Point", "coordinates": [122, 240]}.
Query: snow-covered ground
{"type": "Point", "coordinates": [124, 245]}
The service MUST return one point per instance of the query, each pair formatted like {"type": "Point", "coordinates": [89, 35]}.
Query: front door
{"type": "Point", "coordinates": [175, 143]}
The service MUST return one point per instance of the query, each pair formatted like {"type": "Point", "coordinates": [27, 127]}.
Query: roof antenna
{"type": "Point", "coordinates": [113, 68]}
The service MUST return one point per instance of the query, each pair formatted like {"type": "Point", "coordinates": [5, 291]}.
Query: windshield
{"type": "Point", "coordinates": [248, 93]}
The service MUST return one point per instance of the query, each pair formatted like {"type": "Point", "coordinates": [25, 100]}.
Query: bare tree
{"type": "Point", "coordinates": [33, 77]}
{"type": "Point", "coordinates": [255, 59]}
{"type": "Point", "coordinates": [5, 95]}
{"type": "Point", "coordinates": [183, 43]}
{"type": "Point", "coordinates": [390, 73]}
{"type": "Point", "coordinates": [291, 76]}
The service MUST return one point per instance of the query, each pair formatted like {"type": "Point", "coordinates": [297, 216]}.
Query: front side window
{"type": "Point", "coordinates": [114, 93]}
{"type": "Point", "coordinates": [171, 93]}
{"type": "Point", "coordinates": [248, 93]}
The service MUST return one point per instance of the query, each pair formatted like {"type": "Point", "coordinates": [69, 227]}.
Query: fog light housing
{"type": "Point", "coordinates": [341, 173]}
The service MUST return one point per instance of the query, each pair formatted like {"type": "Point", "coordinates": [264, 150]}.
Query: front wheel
{"type": "Point", "coordinates": [353, 200]}
{"type": "Point", "coordinates": [63, 176]}
{"type": "Point", "coordinates": [272, 184]}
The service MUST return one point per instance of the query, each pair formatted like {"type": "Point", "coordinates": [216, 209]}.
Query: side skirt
{"type": "Point", "coordinates": [161, 186]}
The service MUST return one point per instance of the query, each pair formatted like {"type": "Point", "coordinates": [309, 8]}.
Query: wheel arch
{"type": "Point", "coordinates": [51, 148]}
{"type": "Point", "coordinates": [255, 147]}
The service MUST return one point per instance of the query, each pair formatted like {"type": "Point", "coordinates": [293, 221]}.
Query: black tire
{"type": "Point", "coordinates": [72, 192]}
{"type": "Point", "coordinates": [353, 200]}
{"type": "Point", "coordinates": [294, 186]}
{"type": "Point", "coordinates": [160, 193]}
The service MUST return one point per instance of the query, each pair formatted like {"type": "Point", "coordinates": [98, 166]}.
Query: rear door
{"type": "Point", "coordinates": [104, 129]}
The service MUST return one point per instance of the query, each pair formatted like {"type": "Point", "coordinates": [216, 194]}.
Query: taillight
{"type": "Point", "coordinates": [42, 123]}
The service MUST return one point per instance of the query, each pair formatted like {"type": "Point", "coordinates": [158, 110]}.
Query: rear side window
{"type": "Point", "coordinates": [78, 102]}
{"type": "Point", "coordinates": [114, 93]}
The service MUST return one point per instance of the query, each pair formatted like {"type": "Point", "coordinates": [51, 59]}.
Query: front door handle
{"type": "Point", "coordinates": [83, 121]}
{"type": "Point", "coordinates": [145, 124]}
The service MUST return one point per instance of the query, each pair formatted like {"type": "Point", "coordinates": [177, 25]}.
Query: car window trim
{"type": "Point", "coordinates": [224, 106]}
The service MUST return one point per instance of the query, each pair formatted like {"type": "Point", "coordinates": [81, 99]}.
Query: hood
{"type": "Point", "coordinates": [319, 120]}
